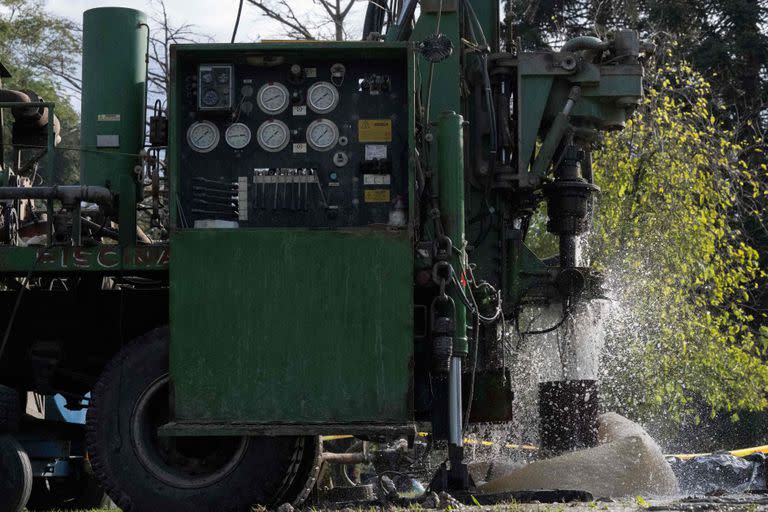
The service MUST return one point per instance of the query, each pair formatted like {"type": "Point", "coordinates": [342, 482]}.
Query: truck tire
{"type": "Point", "coordinates": [10, 410]}
{"type": "Point", "coordinates": [142, 471]}
{"type": "Point", "coordinates": [15, 475]}
{"type": "Point", "coordinates": [92, 496]}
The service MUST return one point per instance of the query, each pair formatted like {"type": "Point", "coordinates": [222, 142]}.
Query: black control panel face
{"type": "Point", "coordinates": [312, 138]}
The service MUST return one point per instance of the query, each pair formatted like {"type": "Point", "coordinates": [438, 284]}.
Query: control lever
{"type": "Point", "coordinates": [231, 213]}
{"type": "Point", "coordinates": [277, 182]}
{"type": "Point", "coordinates": [215, 203]}
{"type": "Point", "coordinates": [213, 191]}
{"type": "Point", "coordinates": [220, 184]}
{"type": "Point", "coordinates": [299, 175]}
{"type": "Point", "coordinates": [283, 203]}
{"type": "Point", "coordinates": [216, 198]}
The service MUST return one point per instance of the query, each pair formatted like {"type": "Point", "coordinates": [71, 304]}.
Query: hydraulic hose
{"type": "Point", "coordinates": [584, 43]}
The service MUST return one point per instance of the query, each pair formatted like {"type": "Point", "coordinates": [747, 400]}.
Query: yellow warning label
{"type": "Point", "coordinates": [377, 195]}
{"type": "Point", "coordinates": [374, 130]}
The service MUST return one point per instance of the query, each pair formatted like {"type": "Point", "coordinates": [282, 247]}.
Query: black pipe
{"type": "Point", "coordinates": [68, 194]}
{"type": "Point", "coordinates": [346, 458]}
{"type": "Point", "coordinates": [568, 415]}
{"type": "Point", "coordinates": [30, 117]}
{"type": "Point", "coordinates": [586, 167]}
{"type": "Point", "coordinates": [567, 251]}
{"type": "Point", "coordinates": [9, 95]}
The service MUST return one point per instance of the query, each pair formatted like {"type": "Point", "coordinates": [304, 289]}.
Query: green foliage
{"type": "Point", "coordinates": [41, 51]}
{"type": "Point", "coordinates": [667, 230]}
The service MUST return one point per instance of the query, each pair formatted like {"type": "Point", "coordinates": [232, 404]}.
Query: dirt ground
{"type": "Point", "coordinates": [731, 503]}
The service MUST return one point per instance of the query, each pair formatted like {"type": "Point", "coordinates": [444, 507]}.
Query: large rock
{"type": "Point", "coordinates": [626, 463]}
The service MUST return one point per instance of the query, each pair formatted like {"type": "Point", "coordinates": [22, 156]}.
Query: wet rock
{"type": "Point", "coordinates": [446, 501]}
{"type": "Point", "coordinates": [388, 488]}
{"type": "Point", "coordinates": [431, 500]}
{"type": "Point", "coordinates": [718, 474]}
{"type": "Point", "coordinates": [627, 463]}
{"type": "Point", "coordinates": [285, 507]}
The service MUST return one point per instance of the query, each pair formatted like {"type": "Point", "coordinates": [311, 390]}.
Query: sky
{"type": "Point", "coordinates": [214, 18]}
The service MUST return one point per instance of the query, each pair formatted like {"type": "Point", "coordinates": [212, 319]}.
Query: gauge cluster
{"type": "Point", "coordinates": [291, 138]}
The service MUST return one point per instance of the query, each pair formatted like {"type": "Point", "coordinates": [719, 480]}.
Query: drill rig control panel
{"type": "Point", "coordinates": [281, 138]}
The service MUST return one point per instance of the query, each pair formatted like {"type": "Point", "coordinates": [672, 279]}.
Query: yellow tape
{"type": "Point", "coordinates": [466, 441]}
{"type": "Point", "coordinates": [742, 452]}
{"type": "Point", "coordinates": [334, 438]}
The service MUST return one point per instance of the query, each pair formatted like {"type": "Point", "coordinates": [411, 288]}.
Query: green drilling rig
{"type": "Point", "coordinates": [346, 244]}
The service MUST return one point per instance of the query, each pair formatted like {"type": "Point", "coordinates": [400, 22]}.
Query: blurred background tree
{"type": "Point", "coordinates": [42, 51]}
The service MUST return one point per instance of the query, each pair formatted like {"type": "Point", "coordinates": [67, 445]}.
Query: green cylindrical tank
{"type": "Point", "coordinates": [113, 105]}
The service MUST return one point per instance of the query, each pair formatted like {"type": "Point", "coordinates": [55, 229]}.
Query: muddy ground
{"type": "Point", "coordinates": [731, 503]}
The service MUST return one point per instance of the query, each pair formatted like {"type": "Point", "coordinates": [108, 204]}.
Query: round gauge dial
{"type": "Point", "coordinates": [273, 135]}
{"type": "Point", "coordinates": [210, 98]}
{"type": "Point", "coordinates": [273, 98]}
{"type": "Point", "coordinates": [322, 97]}
{"type": "Point", "coordinates": [322, 134]}
{"type": "Point", "coordinates": [238, 135]}
{"type": "Point", "coordinates": [203, 136]}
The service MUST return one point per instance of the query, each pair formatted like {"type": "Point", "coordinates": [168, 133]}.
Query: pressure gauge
{"type": "Point", "coordinates": [238, 135]}
{"type": "Point", "coordinates": [273, 135]}
{"type": "Point", "coordinates": [322, 97]}
{"type": "Point", "coordinates": [322, 134]}
{"type": "Point", "coordinates": [203, 136]}
{"type": "Point", "coordinates": [210, 98]}
{"type": "Point", "coordinates": [272, 98]}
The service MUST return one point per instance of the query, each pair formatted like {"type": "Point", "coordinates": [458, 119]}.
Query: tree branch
{"type": "Point", "coordinates": [284, 15]}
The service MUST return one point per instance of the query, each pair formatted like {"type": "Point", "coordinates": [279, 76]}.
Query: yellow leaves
{"type": "Point", "coordinates": [670, 183]}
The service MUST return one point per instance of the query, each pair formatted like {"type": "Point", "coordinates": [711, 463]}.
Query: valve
{"type": "Point", "coordinates": [567, 203]}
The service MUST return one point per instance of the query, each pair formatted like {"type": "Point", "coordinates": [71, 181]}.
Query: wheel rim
{"type": "Point", "coordinates": [182, 462]}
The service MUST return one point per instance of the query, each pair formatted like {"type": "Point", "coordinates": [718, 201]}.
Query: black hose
{"type": "Point", "coordinates": [566, 314]}
{"type": "Point", "coordinates": [237, 21]}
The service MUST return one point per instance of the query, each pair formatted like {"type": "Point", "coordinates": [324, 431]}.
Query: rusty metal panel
{"type": "Point", "coordinates": [291, 326]}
